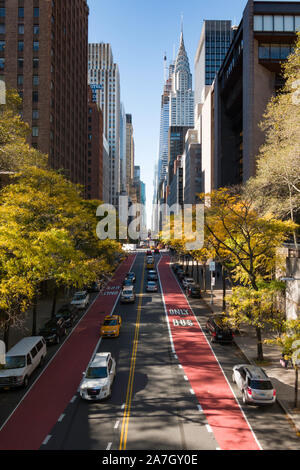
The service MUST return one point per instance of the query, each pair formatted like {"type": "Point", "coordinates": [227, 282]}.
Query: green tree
{"type": "Point", "coordinates": [289, 342]}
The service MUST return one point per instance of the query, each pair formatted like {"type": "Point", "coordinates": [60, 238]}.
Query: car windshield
{"type": "Point", "coordinates": [110, 322]}
{"type": "Point", "coordinates": [261, 385]}
{"type": "Point", "coordinates": [79, 296]}
{"type": "Point", "coordinates": [96, 373]}
{"type": "Point", "coordinates": [151, 283]}
{"type": "Point", "coordinates": [127, 292]}
{"type": "Point", "coordinates": [14, 362]}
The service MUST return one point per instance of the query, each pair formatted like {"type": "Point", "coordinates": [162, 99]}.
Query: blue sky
{"type": "Point", "coordinates": [140, 32]}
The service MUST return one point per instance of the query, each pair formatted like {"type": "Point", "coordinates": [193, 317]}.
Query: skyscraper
{"type": "Point", "coordinates": [123, 178]}
{"type": "Point", "coordinates": [104, 72]}
{"type": "Point", "coordinates": [214, 42]}
{"type": "Point", "coordinates": [182, 95]}
{"type": "Point", "coordinates": [129, 152]}
{"type": "Point", "coordinates": [43, 55]}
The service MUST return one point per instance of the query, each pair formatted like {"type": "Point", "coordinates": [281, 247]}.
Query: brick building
{"type": "Point", "coordinates": [94, 183]}
{"type": "Point", "coordinates": [43, 54]}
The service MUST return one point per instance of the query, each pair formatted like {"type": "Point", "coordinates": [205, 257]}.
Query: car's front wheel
{"type": "Point", "coordinates": [245, 401]}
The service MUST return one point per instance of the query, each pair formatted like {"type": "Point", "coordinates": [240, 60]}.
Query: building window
{"type": "Point", "coordinates": [36, 12]}
{"type": "Point", "coordinates": [36, 29]}
{"type": "Point", "coordinates": [35, 131]}
{"type": "Point", "coordinates": [35, 63]}
{"type": "Point", "coordinates": [36, 46]}
{"type": "Point", "coordinates": [20, 63]}
{"type": "Point", "coordinates": [2, 28]}
{"type": "Point", "coordinates": [21, 29]}
{"type": "Point", "coordinates": [2, 12]}
{"type": "Point", "coordinates": [35, 80]}
{"type": "Point", "coordinates": [20, 79]}
{"type": "Point", "coordinates": [2, 63]}
{"type": "Point", "coordinates": [35, 114]}
{"type": "Point", "coordinates": [2, 46]}
{"type": "Point", "coordinates": [35, 96]}
{"type": "Point", "coordinates": [21, 12]}
{"type": "Point", "coordinates": [20, 46]}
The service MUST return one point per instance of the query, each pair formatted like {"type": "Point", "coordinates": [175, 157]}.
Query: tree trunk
{"type": "Point", "coordinates": [296, 387]}
{"type": "Point", "coordinates": [260, 354]}
{"type": "Point", "coordinates": [204, 277]}
{"type": "Point", "coordinates": [34, 316]}
{"type": "Point", "coordinates": [224, 287]}
{"type": "Point", "coordinates": [6, 335]}
{"type": "Point", "coordinates": [54, 302]}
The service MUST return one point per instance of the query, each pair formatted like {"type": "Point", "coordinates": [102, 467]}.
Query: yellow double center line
{"type": "Point", "coordinates": [125, 422]}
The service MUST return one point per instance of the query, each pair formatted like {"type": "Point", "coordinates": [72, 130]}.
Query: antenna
{"type": "Point", "coordinates": [165, 68]}
{"type": "Point", "coordinates": [181, 25]}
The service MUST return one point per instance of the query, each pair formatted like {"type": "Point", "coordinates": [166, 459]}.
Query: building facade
{"type": "Point", "coordinates": [129, 152]}
{"type": "Point", "coordinates": [103, 72]}
{"type": "Point", "coordinates": [43, 54]}
{"type": "Point", "coordinates": [94, 182]}
{"type": "Point", "coordinates": [249, 76]}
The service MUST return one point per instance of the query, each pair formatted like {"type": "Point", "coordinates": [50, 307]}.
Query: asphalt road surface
{"type": "Point", "coordinates": [171, 391]}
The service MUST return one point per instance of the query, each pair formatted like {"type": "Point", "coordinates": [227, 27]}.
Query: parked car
{"type": "Point", "coordinates": [21, 361]}
{"type": "Point", "coordinates": [128, 295]}
{"type": "Point", "coordinates": [151, 286]}
{"type": "Point", "coordinates": [194, 291]}
{"type": "Point", "coordinates": [54, 330]}
{"type": "Point", "coordinates": [176, 266]}
{"type": "Point", "coordinates": [94, 287]}
{"type": "Point", "coordinates": [152, 275]}
{"type": "Point", "coordinates": [111, 326]}
{"type": "Point", "coordinates": [255, 385]}
{"type": "Point", "coordinates": [69, 314]}
{"type": "Point", "coordinates": [188, 281]}
{"type": "Point", "coordinates": [148, 253]}
{"type": "Point", "coordinates": [218, 329]}
{"type": "Point", "coordinates": [156, 251]}
{"type": "Point", "coordinates": [98, 379]}
{"type": "Point", "coordinates": [180, 273]}
{"type": "Point", "coordinates": [81, 299]}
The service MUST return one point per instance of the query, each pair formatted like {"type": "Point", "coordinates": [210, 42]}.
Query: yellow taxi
{"type": "Point", "coordinates": [150, 262]}
{"type": "Point", "coordinates": [111, 326]}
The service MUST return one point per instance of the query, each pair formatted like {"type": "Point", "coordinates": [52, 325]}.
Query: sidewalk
{"type": "Point", "coordinates": [283, 379]}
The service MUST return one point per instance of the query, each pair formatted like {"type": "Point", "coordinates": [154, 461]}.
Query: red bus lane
{"type": "Point", "coordinates": [38, 412]}
{"type": "Point", "coordinates": [204, 373]}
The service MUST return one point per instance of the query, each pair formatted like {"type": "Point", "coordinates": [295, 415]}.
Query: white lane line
{"type": "Point", "coordinates": [73, 399]}
{"type": "Point", "coordinates": [200, 408]}
{"type": "Point", "coordinates": [123, 406]}
{"type": "Point", "coordinates": [185, 378]}
{"type": "Point", "coordinates": [180, 366]}
{"type": "Point", "coordinates": [109, 446]}
{"type": "Point", "coordinates": [46, 440]}
{"type": "Point", "coordinates": [165, 308]}
{"type": "Point", "coordinates": [117, 425]}
{"type": "Point", "coordinates": [218, 448]}
{"type": "Point", "coordinates": [61, 417]}
{"type": "Point", "coordinates": [208, 428]}
{"type": "Point", "coordinates": [192, 391]}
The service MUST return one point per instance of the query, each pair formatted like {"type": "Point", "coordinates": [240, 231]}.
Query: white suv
{"type": "Point", "coordinates": [98, 379]}
{"type": "Point", "coordinates": [254, 383]}
{"type": "Point", "coordinates": [81, 299]}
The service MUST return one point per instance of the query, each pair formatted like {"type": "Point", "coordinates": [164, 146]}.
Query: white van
{"type": "Point", "coordinates": [21, 361]}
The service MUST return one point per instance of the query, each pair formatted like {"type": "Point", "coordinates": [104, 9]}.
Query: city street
{"type": "Point", "coordinates": [167, 395]}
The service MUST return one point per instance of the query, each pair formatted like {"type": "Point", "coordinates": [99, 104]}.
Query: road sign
{"type": "Point", "coordinates": [212, 266]}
